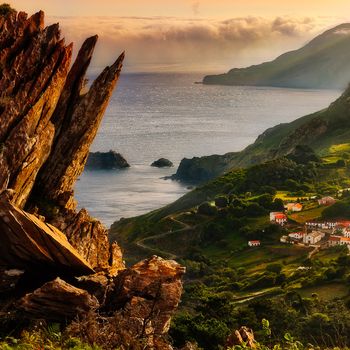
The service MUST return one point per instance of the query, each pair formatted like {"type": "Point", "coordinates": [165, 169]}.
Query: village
{"type": "Point", "coordinates": [316, 233]}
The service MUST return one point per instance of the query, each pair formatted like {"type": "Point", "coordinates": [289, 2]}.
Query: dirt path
{"type": "Point", "coordinates": [142, 242]}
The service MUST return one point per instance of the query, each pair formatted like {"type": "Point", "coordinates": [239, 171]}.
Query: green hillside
{"type": "Point", "coordinates": [229, 283]}
{"type": "Point", "coordinates": [319, 130]}
{"type": "Point", "coordinates": [322, 63]}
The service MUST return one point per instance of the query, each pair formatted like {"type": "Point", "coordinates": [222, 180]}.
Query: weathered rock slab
{"type": "Point", "coordinates": [28, 243]}
{"type": "Point", "coordinates": [57, 300]}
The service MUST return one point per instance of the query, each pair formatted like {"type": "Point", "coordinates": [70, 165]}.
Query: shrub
{"type": "Point", "coordinates": [207, 209]}
{"type": "Point", "coordinates": [6, 9]}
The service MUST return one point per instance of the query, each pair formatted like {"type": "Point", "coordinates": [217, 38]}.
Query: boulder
{"type": "Point", "coordinates": [162, 163]}
{"type": "Point", "coordinates": [106, 161]}
{"type": "Point", "coordinates": [57, 301]}
{"type": "Point", "coordinates": [29, 243]}
{"type": "Point", "coordinates": [149, 293]}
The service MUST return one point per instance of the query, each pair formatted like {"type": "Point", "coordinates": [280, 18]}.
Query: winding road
{"type": "Point", "coordinates": [142, 242]}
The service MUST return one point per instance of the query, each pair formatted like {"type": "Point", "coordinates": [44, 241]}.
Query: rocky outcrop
{"type": "Point", "coordinates": [106, 161]}
{"type": "Point", "coordinates": [56, 263]}
{"type": "Point", "coordinates": [162, 163]}
{"type": "Point", "coordinates": [201, 169]}
{"type": "Point", "coordinates": [57, 300]}
{"type": "Point", "coordinates": [242, 337]}
{"type": "Point", "coordinates": [28, 243]}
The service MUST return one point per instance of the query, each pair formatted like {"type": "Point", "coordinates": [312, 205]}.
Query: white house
{"type": "Point", "coordinates": [297, 235]}
{"type": "Point", "coordinates": [334, 240]}
{"type": "Point", "coordinates": [326, 201]}
{"type": "Point", "coordinates": [278, 218]}
{"type": "Point", "coordinates": [284, 239]}
{"type": "Point", "coordinates": [254, 243]}
{"type": "Point", "coordinates": [338, 240]}
{"type": "Point", "coordinates": [313, 237]}
{"type": "Point", "coordinates": [295, 207]}
{"type": "Point", "coordinates": [322, 225]}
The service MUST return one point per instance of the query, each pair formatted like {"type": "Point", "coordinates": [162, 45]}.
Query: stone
{"type": "Point", "coordinates": [28, 243]}
{"type": "Point", "coordinates": [56, 262]}
{"type": "Point", "coordinates": [106, 161]}
{"type": "Point", "coordinates": [148, 293]}
{"type": "Point", "coordinates": [57, 301]}
{"type": "Point", "coordinates": [162, 163]}
{"type": "Point", "coordinates": [242, 337]}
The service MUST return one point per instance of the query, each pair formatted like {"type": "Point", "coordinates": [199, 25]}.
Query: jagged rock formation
{"type": "Point", "coordinates": [48, 120]}
{"type": "Point", "coordinates": [106, 161]}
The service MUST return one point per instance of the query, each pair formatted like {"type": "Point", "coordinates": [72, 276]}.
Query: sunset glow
{"type": "Point", "coordinates": [190, 35]}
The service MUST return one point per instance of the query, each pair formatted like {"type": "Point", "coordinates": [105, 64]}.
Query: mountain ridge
{"type": "Point", "coordinates": [321, 63]}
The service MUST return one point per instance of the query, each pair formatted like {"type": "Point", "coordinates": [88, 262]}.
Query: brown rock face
{"type": "Point", "coordinates": [48, 120]}
{"type": "Point", "coordinates": [57, 300]}
{"type": "Point", "coordinates": [149, 293]}
{"type": "Point", "coordinates": [28, 243]}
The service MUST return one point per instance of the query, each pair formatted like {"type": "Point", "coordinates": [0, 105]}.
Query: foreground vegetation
{"type": "Point", "coordinates": [229, 284]}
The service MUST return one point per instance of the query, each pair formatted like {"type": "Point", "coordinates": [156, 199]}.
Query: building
{"type": "Point", "coordinates": [313, 237]}
{"type": "Point", "coordinates": [295, 207]}
{"type": "Point", "coordinates": [338, 240]}
{"type": "Point", "coordinates": [297, 235]}
{"type": "Point", "coordinates": [333, 241]}
{"type": "Point", "coordinates": [326, 201]}
{"type": "Point", "coordinates": [278, 218]}
{"type": "Point", "coordinates": [326, 225]}
{"type": "Point", "coordinates": [342, 228]}
{"type": "Point", "coordinates": [254, 243]}
{"type": "Point", "coordinates": [345, 241]}
{"type": "Point", "coordinates": [284, 239]}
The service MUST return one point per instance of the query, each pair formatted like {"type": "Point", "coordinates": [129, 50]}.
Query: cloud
{"type": "Point", "coordinates": [152, 42]}
{"type": "Point", "coordinates": [195, 7]}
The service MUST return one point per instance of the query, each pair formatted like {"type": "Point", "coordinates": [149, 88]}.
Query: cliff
{"type": "Point", "coordinates": [322, 63]}
{"type": "Point", "coordinates": [67, 267]}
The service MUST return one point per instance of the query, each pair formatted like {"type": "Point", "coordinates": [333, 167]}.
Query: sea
{"type": "Point", "coordinates": [154, 115]}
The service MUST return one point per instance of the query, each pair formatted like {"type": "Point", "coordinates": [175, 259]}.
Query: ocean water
{"type": "Point", "coordinates": [167, 115]}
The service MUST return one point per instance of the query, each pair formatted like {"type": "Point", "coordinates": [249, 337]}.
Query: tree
{"type": "Point", "coordinates": [275, 267]}
{"type": "Point", "coordinates": [6, 9]}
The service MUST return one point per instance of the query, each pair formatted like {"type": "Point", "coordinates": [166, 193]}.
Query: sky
{"type": "Point", "coordinates": [190, 35]}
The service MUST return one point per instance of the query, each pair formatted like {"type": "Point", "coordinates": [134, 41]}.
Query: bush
{"type": "Point", "coordinates": [6, 9]}
{"type": "Point", "coordinates": [207, 209]}
{"type": "Point", "coordinates": [276, 268]}
{"type": "Point", "coordinates": [221, 202]}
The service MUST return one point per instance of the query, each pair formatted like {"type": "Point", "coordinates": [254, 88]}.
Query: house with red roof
{"type": "Point", "coordinates": [295, 207]}
{"type": "Point", "coordinates": [278, 218]}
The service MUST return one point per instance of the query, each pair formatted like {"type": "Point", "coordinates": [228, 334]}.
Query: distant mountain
{"type": "Point", "coordinates": [322, 63]}
{"type": "Point", "coordinates": [319, 131]}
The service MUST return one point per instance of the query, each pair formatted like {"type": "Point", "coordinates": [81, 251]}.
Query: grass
{"type": "Point", "coordinates": [256, 259]}
{"type": "Point", "coordinates": [340, 148]}
{"type": "Point", "coordinates": [284, 195]}
{"type": "Point", "coordinates": [326, 292]}
{"type": "Point", "coordinates": [307, 215]}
